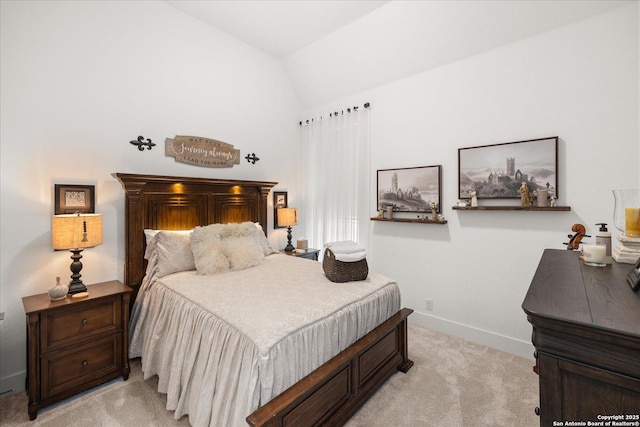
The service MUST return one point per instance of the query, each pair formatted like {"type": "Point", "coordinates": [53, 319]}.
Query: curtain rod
{"type": "Point", "coordinates": [336, 113]}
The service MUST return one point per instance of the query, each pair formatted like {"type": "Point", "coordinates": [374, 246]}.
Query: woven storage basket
{"type": "Point", "coordinates": [339, 271]}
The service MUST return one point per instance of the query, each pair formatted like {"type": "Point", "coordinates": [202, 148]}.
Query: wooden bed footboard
{"type": "Point", "coordinates": [331, 394]}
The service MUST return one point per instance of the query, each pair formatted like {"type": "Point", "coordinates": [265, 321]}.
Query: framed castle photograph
{"type": "Point", "coordinates": [410, 189]}
{"type": "Point", "coordinates": [497, 171]}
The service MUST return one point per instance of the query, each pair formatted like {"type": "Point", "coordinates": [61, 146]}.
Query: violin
{"type": "Point", "coordinates": [575, 239]}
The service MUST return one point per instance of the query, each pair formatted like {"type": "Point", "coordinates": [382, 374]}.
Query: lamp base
{"type": "Point", "coordinates": [289, 247]}
{"type": "Point", "coordinates": [76, 285]}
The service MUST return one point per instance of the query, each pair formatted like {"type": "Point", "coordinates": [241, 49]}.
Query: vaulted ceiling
{"type": "Point", "coordinates": [278, 27]}
{"type": "Point", "coordinates": [333, 48]}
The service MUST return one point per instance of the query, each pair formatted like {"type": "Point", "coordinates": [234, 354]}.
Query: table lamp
{"type": "Point", "coordinates": [75, 232]}
{"type": "Point", "coordinates": [286, 218]}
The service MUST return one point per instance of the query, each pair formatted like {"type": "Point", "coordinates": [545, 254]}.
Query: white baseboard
{"type": "Point", "coordinates": [13, 383]}
{"type": "Point", "coordinates": [491, 339]}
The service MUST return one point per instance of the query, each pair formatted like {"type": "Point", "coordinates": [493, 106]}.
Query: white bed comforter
{"type": "Point", "coordinates": [224, 345]}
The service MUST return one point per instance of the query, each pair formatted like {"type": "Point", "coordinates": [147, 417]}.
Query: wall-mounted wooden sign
{"type": "Point", "coordinates": [199, 151]}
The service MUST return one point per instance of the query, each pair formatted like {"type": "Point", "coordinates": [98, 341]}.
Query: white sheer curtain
{"type": "Point", "coordinates": [335, 177]}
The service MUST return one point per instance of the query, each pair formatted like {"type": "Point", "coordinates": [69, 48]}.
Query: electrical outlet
{"type": "Point", "coordinates": [428, 303]}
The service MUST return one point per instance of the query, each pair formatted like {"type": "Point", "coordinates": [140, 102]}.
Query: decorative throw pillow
{"type": "Point", "coordinates": [243, 252]}
{"type": "Point", "coordinates": [222, 247]}
{"type": "Point", "coordinates": [224, 231]}
{"type": "Point", "coordinates": [210, 257]}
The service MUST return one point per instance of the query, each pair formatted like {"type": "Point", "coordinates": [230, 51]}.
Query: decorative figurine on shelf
{"type": "Point", "coordinates": [434, 214]}
{"type": "Point", "coordinates": [526, 199]}
{"type": "Point", "coordinates": [474, 197]}
{"type": "Point", "coordinates": [380, 213]}
{"type": "Point", "coordinates": [553, 200]}
{"type": "Point", "coordinates": [574, 241]}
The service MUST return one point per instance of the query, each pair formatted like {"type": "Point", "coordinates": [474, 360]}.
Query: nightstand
{"type": "Point", "coordinates": [308, 254]}
{"type": "Point", "coordinates": [76, 343]}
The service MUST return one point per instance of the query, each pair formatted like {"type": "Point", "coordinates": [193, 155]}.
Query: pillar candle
{"type": "Point", "coordinates": [542, 198]}
{"type": "Point", "coordinates": [389, 211]}
{"type": "Point", "coordinates": [632, 222]}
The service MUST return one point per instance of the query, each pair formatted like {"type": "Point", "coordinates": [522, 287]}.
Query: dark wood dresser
{"type": "Point", "coordinates": [76, 343]}
{"type": "Point", "coordinates": [586, 331]}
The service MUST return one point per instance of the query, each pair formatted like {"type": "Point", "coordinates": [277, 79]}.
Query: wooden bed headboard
{"type": "Point", "coordinates": [181, 203]}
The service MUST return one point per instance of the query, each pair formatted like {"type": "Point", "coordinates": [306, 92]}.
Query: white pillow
{"type": "Point", "coordinates": [262, 238]}
{"type": "Point", "coordinates": [173, 249]}
{"type": "Point", "coordinates": [149, 234]}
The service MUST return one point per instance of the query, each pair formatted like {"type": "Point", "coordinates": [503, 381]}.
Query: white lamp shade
{"type": "Point", "coordinates": [76, 231]}
{"type": "Point", "coordinates": [287, 217]}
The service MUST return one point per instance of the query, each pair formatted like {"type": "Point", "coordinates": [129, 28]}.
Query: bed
{"type": "Point", "coordinates": [324, 391]}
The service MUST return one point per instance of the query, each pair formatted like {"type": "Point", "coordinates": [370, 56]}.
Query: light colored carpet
{"type": "Point", "coordinates": [452, 383]}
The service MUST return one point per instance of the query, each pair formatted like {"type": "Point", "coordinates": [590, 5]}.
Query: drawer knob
{"type": "Point", "coordinates": [535, 354]}
{"type": "Point", "coordinates": [85, 321]}
{"type": "Point", "coordinates": [84, 363]}
{"type": "Point", "coordinates": [537, 411]}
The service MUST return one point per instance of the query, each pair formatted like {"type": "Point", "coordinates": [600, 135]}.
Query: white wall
{"type": "Point", "coordinates": [82, 79]}
{"type": "Point", "coordinates": [579, 82]}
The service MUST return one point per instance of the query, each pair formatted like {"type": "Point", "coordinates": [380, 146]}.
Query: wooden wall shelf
{"type": "Point", "coordinates": [511, 208]}
{"type": "Point", "coordinates": [410, 220]}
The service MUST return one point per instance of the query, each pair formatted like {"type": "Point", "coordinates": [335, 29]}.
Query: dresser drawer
{"type": "Point", "coordinates": [70, 368]}
{"type": "Point", "coordinates": [73, 324]}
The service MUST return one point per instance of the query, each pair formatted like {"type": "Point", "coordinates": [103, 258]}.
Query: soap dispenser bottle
{"type": "Point", "coordinates": [603, 237]}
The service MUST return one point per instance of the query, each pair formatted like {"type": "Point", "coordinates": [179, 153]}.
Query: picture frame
{"type": "Point", "coordinates": [497, 171]}
{"type": "Point", "coordinates": [280, 200]}
{"type": "Point", "coordinates": [633, 277]}
{"type": "Point", "coordinates": [410, 189]}
{"type": "Point", "coordinates": [71, 198]}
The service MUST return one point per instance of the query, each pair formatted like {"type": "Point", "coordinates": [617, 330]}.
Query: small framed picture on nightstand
{"type": "Point", "coordinates": [633, 277]}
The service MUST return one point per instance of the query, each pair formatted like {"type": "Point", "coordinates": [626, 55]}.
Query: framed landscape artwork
{"type": "Point", "coordinates": [410, 189]}
{"type": "Point", "coordinates": [497, 171]}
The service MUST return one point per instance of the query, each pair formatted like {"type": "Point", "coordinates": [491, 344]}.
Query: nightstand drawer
{"type": "Point", "coordinates": [74, 324]}
{"type": "Point", "coordinates": [76, 366]}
